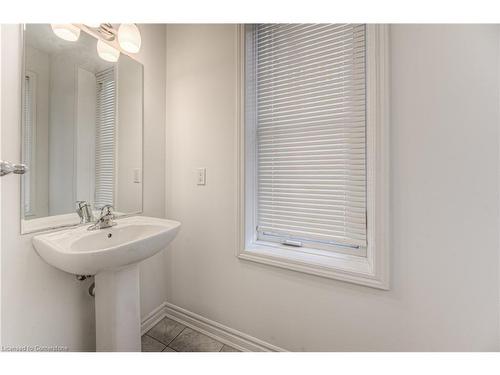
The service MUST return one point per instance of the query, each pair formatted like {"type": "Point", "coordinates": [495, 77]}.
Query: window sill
{"type": "Point", "coordinates": [343, 267]}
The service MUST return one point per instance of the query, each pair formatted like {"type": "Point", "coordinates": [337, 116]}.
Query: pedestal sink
{"type": "Point", "coordinates": [112, 255]}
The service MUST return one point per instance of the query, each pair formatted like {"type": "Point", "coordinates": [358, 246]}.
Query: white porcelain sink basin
{"type": "Point", "coordinates": [113, 256]}
{"type": "Point", "coordinates": [83, 252]}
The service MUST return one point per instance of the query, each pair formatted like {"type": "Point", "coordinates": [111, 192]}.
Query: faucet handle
{"type": "Point", "coordinates": [107, 209]}
{"type": "Point", "coordinates": [84, 211]}
{"type": "Point", "coordinates": [80, 204]}
{"type": "Point", "coordinates": [79, 209]}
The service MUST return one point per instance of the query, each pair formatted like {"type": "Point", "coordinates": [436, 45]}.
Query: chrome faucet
{"type": "Point", "coordinates": [84, 211]}
{"type": "Point", "coordinates": [105, 220]}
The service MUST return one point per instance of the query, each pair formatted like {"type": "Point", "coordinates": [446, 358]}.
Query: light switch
{"type": "Point", "coordinates": [202, 175]}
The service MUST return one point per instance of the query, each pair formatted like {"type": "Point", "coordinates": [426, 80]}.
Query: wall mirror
{"type": "Point", "coordinates": [82, 130]}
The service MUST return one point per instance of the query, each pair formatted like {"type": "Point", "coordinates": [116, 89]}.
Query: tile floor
{"type": "Point", "coordinates": [171, 336]}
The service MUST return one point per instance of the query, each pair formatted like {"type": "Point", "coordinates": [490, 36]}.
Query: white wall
{"type": "Point", "coordinates": [40, 304]}
{"type": "Point", "coordinates": [62, 134]}
{"type": "Point", "coordinates": [444, 199]}
{"type": "Point", "coordinates": [128, 193]}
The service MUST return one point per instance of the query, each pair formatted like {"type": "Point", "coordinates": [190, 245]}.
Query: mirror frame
{"type": "Point", "coordinates": [64, 221]}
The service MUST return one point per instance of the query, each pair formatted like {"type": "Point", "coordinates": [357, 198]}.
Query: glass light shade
{"type": "Point", "coordinates": [129, 37]}
{"type": "Point", "coordinates": [66, 31]}
{"type": "Point", "coordinates": [106, 52]}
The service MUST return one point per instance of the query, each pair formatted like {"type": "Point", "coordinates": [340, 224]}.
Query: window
{"type": "Point", "coordinates": [312, 180]}
{"type": "Point", "coordinates": [105, 137]}
{"type": "Point", "coordinates": [28, 149]}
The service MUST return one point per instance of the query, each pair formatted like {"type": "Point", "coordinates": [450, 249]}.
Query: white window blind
{"type": "Point", "coordinates": [28, 143]}
{"type": "Point", "coordinates": [306, 99]}
{"type": "Point", "coordinates": [105, 137]}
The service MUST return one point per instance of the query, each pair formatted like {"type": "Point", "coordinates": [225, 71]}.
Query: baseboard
{"type": "Point", "coordinates": [153, 318]}
{"type": "Point", "coordinates": [217, 331]}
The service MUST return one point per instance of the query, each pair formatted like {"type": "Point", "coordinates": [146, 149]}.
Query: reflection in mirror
{"type": "Point", "coordinates": [81, 129]}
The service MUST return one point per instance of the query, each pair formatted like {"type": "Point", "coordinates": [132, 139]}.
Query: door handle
{"type": "Point", "coordinates": [7, 167]}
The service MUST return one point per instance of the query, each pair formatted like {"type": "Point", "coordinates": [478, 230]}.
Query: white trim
{"type": "Point", "coordinates": [153, 318]}
{"type": "Point", "coordinates": [215, 330]}
{"type": "Point", "coordinates": [370, 270]}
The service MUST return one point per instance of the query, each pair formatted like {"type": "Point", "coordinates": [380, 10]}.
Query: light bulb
{"type": "Point", "coordinates": [129, 37]}
{"type": "Point", "coordinates": [66, 31]}
{"type": "Point", "coordinates": [106, 52]}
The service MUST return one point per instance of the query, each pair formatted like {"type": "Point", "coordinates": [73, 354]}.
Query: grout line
{"type": "Point", "coordinates": [161, 342]}
{"type": "Point", "coordinates": [156, 340]}
{"type": "Point", "coordinates": [197, 331]}
{"type": "Point", "coordinates": [171, 341]}
{"type": "Point", "coordinates": [176, 337]}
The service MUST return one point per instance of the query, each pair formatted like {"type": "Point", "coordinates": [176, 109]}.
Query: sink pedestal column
{"type": "Point", "coordinates": [117, 310]}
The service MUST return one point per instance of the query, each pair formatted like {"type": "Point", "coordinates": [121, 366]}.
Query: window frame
{"type": "Point", "coordinates": [370, 269]}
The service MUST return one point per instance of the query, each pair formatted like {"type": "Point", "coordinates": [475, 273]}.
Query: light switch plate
{"type": "Point", "coordinates": [202, 176]}
{"type": "Point", "coordinates": [137, 176]}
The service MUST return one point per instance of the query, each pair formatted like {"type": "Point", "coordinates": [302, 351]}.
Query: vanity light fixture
{"type": "Point", "coordinates": [66, 31]}
{"type": "Point", "coordinates": [106, 52]}
{"type": "Point", "coordinates": [127, 38]}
